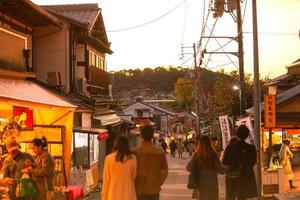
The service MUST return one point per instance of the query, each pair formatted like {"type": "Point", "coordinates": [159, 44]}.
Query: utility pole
{"type": "Point", "coordinates": [196, 90]}
{"type": "Point", "coordinates": [256, 93]}
{"type": "Point", "coordinates": [219, 8]}
{"type": "Point", "coordinates": [241, 58]}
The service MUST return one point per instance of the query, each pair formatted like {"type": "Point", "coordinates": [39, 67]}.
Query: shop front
{"type": "Point", "coordinates": [28, 111]}
{"type": "Point", "coordinates": [86, 157]}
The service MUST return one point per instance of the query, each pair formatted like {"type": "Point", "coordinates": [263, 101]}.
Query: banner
{"type": "Point", "coordinates": [225, 129]}
{"type": "Point", "coordinates": [247, 121]}
{"type": "Point", "coordinates": [270, 111]}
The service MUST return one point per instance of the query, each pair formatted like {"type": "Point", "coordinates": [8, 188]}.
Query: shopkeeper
{"type": "Point", "coordinates": [13, 165]}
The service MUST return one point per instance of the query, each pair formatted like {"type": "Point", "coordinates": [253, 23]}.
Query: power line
{"type": "Point", "coordinates": [151, 21]}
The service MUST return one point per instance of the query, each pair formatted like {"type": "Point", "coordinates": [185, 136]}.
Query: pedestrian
{"type": "Point", "coordinates": [43, 170]}
{"type": "Point", "coordinates": [285, 154]}
{"type": "Point", "coordinates": [209, 166]}
{"type": "Point", "coordinates": [13, 166]}
{"type": "Point", "coordinates": [164, 145]}
{"type": "Point", "coordinates": [152, 167]}
{"type": "Point", "coordinates": [231, 176]}
{"type": "Point", "coordinates": [180, 148]}
{"type": "Point", "coordinates": [241, 158]}
{"type": "Point", "coordinates": [120, 168]}
{"type": "Point", "coordinates": [190, 146]}
{"type": "Point", "coordinates": [173, 147]}
{"type": "Point", "coordinates": [214, 142]}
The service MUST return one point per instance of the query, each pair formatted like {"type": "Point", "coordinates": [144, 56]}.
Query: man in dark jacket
{"type": "Point", "coordinates": [152, 167]}
{"type": "Point", "coordinates": [241, 158]}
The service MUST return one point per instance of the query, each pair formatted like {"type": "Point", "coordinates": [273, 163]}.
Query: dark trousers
{"type": "Point", "coordinates": [148, 197]}
{"type": "Point", "coordinates": [232, 188]}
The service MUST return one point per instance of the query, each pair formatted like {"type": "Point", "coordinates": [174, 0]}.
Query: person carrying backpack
{"type": "Point", "coordinates": [241, 158]}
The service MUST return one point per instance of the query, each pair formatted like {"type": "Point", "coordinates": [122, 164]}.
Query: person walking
{"type": "Point", "coordinates": [285, 154]}
{"type": "Point", "coordinates": [43, 169]}
{"type": "Point", "coordinates": [14, 166]}
{"type": "Point", "coordinates": [152, 167]}
{"type": "Point", "coordinates": [173, 147]}
{"type": "Point", "coordinates": [120, 168]}
{"type": "Point", "coordinates": [164, 145]}
{"type": "Point", "coordinates": [231, 176]}
{"type": "Point", "coordinates": [209, 166]}
{"type": "Point", "coordinates": [190, 147]}
{"type": "Point", "coordinates": [180, 148]}
{"type": "Point", "coordinates": [241, 158]}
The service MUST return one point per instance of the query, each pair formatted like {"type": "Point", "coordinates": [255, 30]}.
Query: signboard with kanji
{"type": "Point", "coordinates": [270, 111]}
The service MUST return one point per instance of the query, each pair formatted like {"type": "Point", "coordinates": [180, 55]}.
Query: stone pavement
{"type": "Point", "coordinates": [175, 187]}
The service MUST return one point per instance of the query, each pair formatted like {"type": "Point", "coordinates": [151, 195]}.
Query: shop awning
{"type": "Point", "coordinates": [90, 130]}
{"type": "Point", "coordinates": [13, 91]}
{"type": "Point", "coordinates": [109, 119]}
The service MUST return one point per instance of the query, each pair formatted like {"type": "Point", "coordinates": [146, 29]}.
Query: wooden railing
{"type": "Point", "coordinates": [98, 81]}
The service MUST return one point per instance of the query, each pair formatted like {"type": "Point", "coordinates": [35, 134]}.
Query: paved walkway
{"type": "Point", "coordinates": [175, 185]}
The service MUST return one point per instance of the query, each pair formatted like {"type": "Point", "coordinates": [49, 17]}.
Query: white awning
{"type": "Point", "coordinates": [24, 90]}
{"type": "Point", "coordinates": [109, 119]}
{"type": "Point", "coordinates": [90, 130]}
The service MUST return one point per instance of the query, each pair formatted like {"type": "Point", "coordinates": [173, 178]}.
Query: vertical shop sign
{"type": "Point", "coordinates": [247, 122]}
{"type": "Point", "coordinates": [270, 111]}
{"type": "Point", "coordinates": [164, 123]}
{"type": "Point", "coordinates": [225, 129]}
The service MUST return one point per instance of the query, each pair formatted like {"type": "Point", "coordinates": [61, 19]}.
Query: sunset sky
{"type": "Point", "coordinates": [159, 42]}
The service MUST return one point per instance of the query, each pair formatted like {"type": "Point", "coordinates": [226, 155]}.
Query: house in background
{"type": "Point", "coordinates": [72, 61]}
{"type": "Point", "coordinates": [159, 117]}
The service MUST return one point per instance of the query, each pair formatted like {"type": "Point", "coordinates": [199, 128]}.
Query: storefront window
{"type": "Point", "coordinates": [94, 149]}
{"type": "Point", "coordinates": [81, 150]}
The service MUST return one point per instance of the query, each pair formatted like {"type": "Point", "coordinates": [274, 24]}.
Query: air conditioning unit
{"type": "Point", "coordinates": [81, 86]}
{"type": "Point", "coordinates": [54, 79]}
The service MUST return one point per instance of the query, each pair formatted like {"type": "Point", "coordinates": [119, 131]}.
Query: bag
{"type": "Point", "coordinates": [194, 176]}
{"type": "Point", "coordinates": [26, 187]}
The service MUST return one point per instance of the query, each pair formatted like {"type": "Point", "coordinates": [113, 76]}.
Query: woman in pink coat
{"type": "Point", "coordinates": [119, 173]}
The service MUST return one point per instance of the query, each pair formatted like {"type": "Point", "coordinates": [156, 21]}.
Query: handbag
{"type": "Point", "coordinates": [194, 176]}
{"type": "Point", "coordinates": [26, 187]}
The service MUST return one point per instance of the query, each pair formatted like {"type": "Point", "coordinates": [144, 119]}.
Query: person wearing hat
{"type": "Point", "coordinates": [285, 154]}
{"type": "Point", "coordinates": [14, 166]}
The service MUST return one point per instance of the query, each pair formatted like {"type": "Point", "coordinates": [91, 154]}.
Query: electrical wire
{"type": "Point", "coordinates": [149, 22]}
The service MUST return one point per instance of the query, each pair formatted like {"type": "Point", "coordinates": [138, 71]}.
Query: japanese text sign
{"type": "Point", "coordinates": [270, 111]}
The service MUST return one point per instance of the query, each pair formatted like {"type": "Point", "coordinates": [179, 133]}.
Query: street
{"type": "Point", "coordinates": [175, 186]}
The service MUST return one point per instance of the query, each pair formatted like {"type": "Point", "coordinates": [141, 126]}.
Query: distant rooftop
{"type": "Point", "coordinates": [82, 13]}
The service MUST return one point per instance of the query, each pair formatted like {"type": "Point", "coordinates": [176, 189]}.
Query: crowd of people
{"type": "Point", "coordinates": [39, 169]}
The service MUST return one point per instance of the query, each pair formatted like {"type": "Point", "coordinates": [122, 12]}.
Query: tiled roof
{"type": "Point", "coordinates": [281, 98]}
{"type": "Point", "coordinates": [82, 13]}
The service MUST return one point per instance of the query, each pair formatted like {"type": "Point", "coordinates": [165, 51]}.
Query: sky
{"type": "Point", "coordinates": [170, 23]}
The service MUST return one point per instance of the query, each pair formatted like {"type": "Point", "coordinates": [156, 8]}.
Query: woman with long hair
{"type": "Point", "coordinates": [119, 172]}
{"type": "Point", "coordinates": [209, 166]}
{"type": "Point", "coordinates": [43, 170]}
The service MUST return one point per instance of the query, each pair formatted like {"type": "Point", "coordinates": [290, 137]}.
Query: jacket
{"type": "Point", "coordinates": [152, 169]}
{"type": "Point", "coordinates": [208, 183]}
{"type": "Point", "coordinates": [118, 180]}
{"type": "Point", "coordinates": [12, 168]}
{"type": "Point", "coordinates": [285, 154]}
{"type": "Point", "coordinates": [241, 157]}
{"type": "Point", "coordinates": [43, 174]}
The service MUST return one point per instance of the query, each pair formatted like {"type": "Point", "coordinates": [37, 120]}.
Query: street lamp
{"type": "Point", "coordinates": [235, 87]}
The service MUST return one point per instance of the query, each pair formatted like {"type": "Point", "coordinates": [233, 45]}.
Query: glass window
{"type": "Point", "coordinates": [81, 150]}
{"type": "Point", "coordinates": [94, 148]}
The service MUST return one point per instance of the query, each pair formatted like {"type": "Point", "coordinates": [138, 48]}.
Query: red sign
{"type": "Point", "coordinates": [270, 111]}
{"type": "Point", "coordinates": [24, 117]}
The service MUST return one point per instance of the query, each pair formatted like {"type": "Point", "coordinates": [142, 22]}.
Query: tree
{"type": "Point", "coordinates": [183, 93]}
